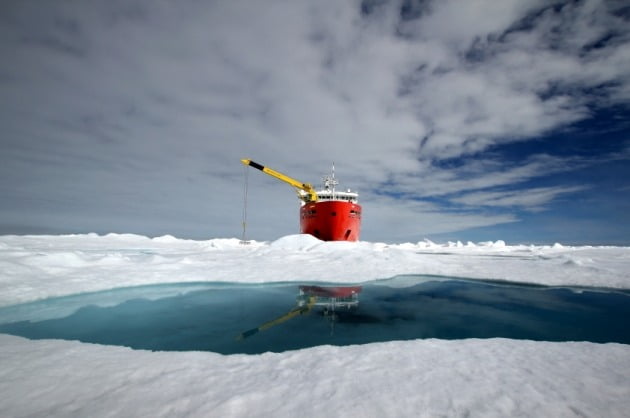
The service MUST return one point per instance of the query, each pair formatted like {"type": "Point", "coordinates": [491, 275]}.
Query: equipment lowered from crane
{"type": "Point", "coordinates": [327, 214]}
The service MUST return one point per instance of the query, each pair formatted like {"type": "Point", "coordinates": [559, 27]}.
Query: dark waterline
{"type": "Point", "coordinates": [210, 317]}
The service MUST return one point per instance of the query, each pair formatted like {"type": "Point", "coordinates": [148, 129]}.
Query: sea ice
{"type": "Point", "coordinates": [491, 377]}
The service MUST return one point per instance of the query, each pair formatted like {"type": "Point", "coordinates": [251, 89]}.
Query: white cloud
{"type": "Point", "coordinates": [532, 199]}
{"type": "Point", "coordinates": [138, 97]}
{"type": "Point", "coordinates": [459, 23]}
{"type": "Point", "coordinates": [409, 220]}
{"type": "Point", "coordinates": [492, 88]}
{"type": "Point", "coordinates": [480, 174]}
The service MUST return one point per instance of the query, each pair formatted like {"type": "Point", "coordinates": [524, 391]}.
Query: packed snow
{"type": "Point", "coordinates": [493, 377]}
{"type": "Point", "coordinates": [39, 267]}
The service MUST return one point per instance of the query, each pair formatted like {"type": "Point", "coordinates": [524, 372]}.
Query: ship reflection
{"type": "Point", "coordinates": [330, 299]}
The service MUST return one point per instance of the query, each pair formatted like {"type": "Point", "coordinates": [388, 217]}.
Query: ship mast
{"type": "Point", "coordinates": [330, 182]}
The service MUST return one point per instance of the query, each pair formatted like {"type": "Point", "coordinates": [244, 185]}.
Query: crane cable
{"type": "Point", "coordinates": [245, 187]}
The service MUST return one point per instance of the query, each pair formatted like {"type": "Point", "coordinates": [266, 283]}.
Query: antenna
{"type": "Point", "coordinates": [330, 182]}
{"type": "Point", "coordinates": [333, 182]}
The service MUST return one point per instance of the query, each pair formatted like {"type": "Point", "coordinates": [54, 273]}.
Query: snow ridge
{"type": "Point", "coordinates": [37, 267]}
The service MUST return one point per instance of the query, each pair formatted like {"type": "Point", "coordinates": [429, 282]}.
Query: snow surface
{"type": "Point", "coordinates": [498, 377]}
{"type": "Point", "coordinates": [39, 267]}
{"type": "Point", "coordinates": [494, 377]}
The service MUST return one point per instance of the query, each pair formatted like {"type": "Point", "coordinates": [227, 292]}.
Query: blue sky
{"type": "Point", "coordinates": [455, 120]}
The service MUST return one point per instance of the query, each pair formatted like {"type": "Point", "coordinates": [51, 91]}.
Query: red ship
{"type": "Point", "coordinates": [327, 214]}
{"type": "Point", "coordinates": [331, 298]}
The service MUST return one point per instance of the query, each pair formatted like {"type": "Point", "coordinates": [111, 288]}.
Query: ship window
{"type": "Point", "coordinates": [333, 213]}
{"type": "Point", "coordinates": [347, 234]}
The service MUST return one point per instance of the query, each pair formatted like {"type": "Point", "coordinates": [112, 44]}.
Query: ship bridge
{"type": "Point", "coordinates": [330, 193]}
{"type": "Point", "coordinates": [348, 196]}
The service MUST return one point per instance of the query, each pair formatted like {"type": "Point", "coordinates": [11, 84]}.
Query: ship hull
{"type": "Point", "coordinates": [331, 220]}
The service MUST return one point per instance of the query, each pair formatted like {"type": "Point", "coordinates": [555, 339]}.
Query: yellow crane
{"type": "Point", "coordinates": [305, 191]}
{"type": "Point", "coordinates": [298, 310]}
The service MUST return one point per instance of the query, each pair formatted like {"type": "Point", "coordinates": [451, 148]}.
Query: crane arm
{"type": "Point", "coordinates": [308, 195]}
{"type": "Point", "coordinates": [299, 310]}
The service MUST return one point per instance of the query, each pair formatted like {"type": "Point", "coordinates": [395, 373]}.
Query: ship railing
{"type": "Point", "coordinates": [330, 302]}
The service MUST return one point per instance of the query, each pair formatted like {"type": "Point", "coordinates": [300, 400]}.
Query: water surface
{"type": "Point", "coordinates": [212, 316]}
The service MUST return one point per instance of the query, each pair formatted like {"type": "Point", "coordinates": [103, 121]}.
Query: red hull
{"type": "Point", "coordinates": [331, 220]}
